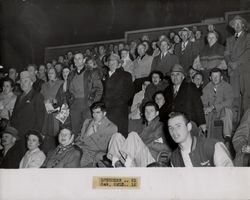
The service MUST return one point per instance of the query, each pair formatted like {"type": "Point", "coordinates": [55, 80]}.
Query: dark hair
{"type": "Point", "coordinates": [158, 92]}
{"type": "Point", "coordinates": [199, 73]}
{"type": "Point", "coordinates": [141, 45]}
{"type": "Point", "coordinates": [151, 103]}
{"type": "Point", "coordinates": [91, 58]}
{"type": "Point", "coordinates": [215, 70]}
{"type": "Point", "coordinates": [156, 72]}
{"type": "Point", "coordinates": [177, 114]}
{"type": "Point", "coordinates": [96, 105]}
{"type": "Point", "coordinates": [7, 79]}
{"type": "Point", "coordinates": [53, 68]}
{"type": "Point", "coordinates": [36, 133]}
{"type": "Point", "coordinates": [78, 52]}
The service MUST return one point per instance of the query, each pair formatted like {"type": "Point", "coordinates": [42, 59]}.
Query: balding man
{"type": "Point", "coordinates": [29, 109]}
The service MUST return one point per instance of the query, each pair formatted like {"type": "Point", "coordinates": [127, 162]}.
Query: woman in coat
{"type": "Point", "coordinates": [66, 154]}
{"type": "Point", "coordinates": [34, 157]}
{"type": "Point", "coordinates": [51, 125]}
{"type": "Point", "coordinates": [63, 95]}
{"type": "Point", "coordinates": [7, 99]}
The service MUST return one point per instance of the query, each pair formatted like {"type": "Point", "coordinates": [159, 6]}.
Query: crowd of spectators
{"type": "Point", "coordinates": [182, 100]}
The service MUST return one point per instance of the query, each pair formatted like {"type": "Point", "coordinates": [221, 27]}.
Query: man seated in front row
{"type": "Point", "coordinates": [139, 150]}
{"type": "Point", "coordinates": [95, 135]}
{"type": "Point", "coordinates": [12, 152]}
{"type": "Point", "coordinates": [195, 151]}
{"type": "Point", "coordinates": [217, 100]}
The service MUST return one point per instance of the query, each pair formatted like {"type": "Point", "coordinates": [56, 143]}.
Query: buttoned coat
{"type": "Point", "coordinates": [118, 91]}
{"type": "Point", "coordinates": [187, 100]}
{"type": "Point", "coordinates": [12, 158]}
{"type": "Point", "coordinates": [28, 113]}
{"type": "Point", "coordinates": [187, 56]}
{"type": "Point", "coordinates": [223, 98]}
{"type": "Point", "coordinates": [165, 63]}
{"type": "Point", "coordinates": [95, 145]}
{"type": "Point", "coordinates": [69, 158]}
{"type": "Point", "coordinates": [93, 88]}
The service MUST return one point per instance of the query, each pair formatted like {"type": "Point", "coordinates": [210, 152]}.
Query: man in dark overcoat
{"type": "Point", "coordinates": [29, 108]}
{"type": "Point", "coordinates": [118, 91]}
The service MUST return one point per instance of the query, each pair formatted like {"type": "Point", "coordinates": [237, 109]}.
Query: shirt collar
{"type": "Point", "coordinates": [238, 34]}
{"type": "Point", "coordinates": [33, 151]}
{"type": "Point", "coordinates": [79, 72]}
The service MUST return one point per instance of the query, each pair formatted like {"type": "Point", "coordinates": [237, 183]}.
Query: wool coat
{"type": "Point", "coordinates": [118, 91]}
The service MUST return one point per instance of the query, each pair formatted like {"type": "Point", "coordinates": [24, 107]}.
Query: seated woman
{"type": "Point", "coordinates": [34, 157]}
{"type": "Point", "coordinates": [7, 99]}
{"type": "Point", "coordinates": [159, 99]}
{"type": "Point", "coordinates": [66, 154]}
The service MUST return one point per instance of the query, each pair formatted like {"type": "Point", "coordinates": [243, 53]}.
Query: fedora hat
{"type": "Point", "coordinates": [178, 68]}
{"type": "Point", "coordinates": [116, 57]}
{"type": "Point", "coordinates": [12, 131]}
{"type": "Point", "coordinates": [185, 29]}
{"type": "Point", "coordinates": [237, 17]}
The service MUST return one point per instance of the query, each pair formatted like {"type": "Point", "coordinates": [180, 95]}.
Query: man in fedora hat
{"type": "Point", "coordinates": [118, 91]}
{"type": "Point", "coordinates": [164, 61]}
{"type": "Point", "coordinates": [12, 153]}
{"type": "Point", "coordinates": [186, 50]}
{"type": "Point", "coordinates": [29, 110]}
{"type": "Point", "coordinates": [184, 97]}
{"type": "Point", "coordinates": [237, 55]}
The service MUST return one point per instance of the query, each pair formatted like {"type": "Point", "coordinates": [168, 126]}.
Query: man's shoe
{"type": "Point", "coordinates": [105, 163]}
{"type": "Point", "coordinates": [228, 143]}
{"type": "Point", "coordinates": [119, 164]}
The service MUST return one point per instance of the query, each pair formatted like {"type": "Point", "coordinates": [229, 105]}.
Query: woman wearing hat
{"type": "Point", "coordinates": [34, 157]}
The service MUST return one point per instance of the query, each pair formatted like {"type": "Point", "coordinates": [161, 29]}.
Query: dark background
{"type": "Point", "coordinates": [28, 26]}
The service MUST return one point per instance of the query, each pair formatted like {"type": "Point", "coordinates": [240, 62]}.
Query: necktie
{"type": "Point", "coordinates": [236, 36]}
{"type": "Point", "coordinates": [175, 91]}
{"type": "Point", "coordinates": [183, 46]}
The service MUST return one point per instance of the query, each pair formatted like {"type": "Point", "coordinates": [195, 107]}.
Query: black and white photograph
{"type": "Point", "coordinates": [124, 99]}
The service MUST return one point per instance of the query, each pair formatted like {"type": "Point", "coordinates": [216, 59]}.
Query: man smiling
{"type": "Point", "coordinates": [195, 151]}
